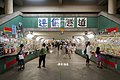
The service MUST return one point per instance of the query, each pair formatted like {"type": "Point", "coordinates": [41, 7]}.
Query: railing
{"type": "Point", "coordinates": [32, 15]}
{"type": "Point", "coordinates": [110, 16]}
{"type": "Point", "coordinates": [9, 17]}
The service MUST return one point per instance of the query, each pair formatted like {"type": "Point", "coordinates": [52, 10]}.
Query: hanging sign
{"type": "Point", "coordinates": [6, 29]}
{"type": "Point", "coordinates": [69, 22]}
{"type": "Point", "coordinates": [13, 29]}
{"type": "Point", "coordinates": [55, 22]}
{"type": "Point", "coordinates": [112, 29]}
{"type": "Point", "coordinates": [42, 22]}
{"type": "Point", "coordinates": [81, 22]}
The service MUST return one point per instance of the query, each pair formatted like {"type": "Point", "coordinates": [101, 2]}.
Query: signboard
{"type": "Point", "coordinates": [7, 29]}
{"type": "Point", "coordinates": [69, 22]}
{"type": "Point", "coordinates": [62, 29]}
{"type": "Point", "coordinates": [13, 29]}
{"type": "Point", "coordinates": [55, 22]}
{"type": "Point", "coordinates": [43, 22]}
{"type": "Point", "coordinates": [81, 22]}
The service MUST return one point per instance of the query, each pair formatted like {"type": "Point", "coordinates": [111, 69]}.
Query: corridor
{"type": "Point", "coordinates": [60, 67]}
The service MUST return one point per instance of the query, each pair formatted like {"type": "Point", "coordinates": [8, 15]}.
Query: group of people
{"type": "Point", "coordinates": [59, 45]}
{"type": "Point", "coordinates": [97, 54]}
{"type": "Point", "coordinates": [21, 55]}
{"type": "Point", "coordinates": [68, 48]}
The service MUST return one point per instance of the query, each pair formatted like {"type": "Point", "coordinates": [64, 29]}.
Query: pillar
{"type": "Point", "coordinates": [112, 6]}
{"type": "Point", "coordinates": [8, 6]}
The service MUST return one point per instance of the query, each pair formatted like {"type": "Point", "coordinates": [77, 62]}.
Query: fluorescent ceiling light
{"type": "Point", "coordinates": [38, 38]}
{"type": "Point", "coordinates": [30, 36]}
{"type": "Point", "coordinates": [90, 36]}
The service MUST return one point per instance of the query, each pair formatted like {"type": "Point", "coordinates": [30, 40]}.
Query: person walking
{"type": "Point", "coordinates": [47, 47]}
{"type": "Point", "coordinates": [88, 53]}
{"type": "Point", "coordinates": [98, 56]}
{"type": "Point", "coordinates": [20, 57]}
{"type": "Point", "coordinates": [42, 56]}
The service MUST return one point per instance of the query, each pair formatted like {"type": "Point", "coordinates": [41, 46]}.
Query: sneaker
{"type": "Point", "coordinates": [44, 66]}
{"type": "Point", "coordinates": [38, 67]}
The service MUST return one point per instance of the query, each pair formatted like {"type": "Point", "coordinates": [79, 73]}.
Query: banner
{"type": "Point", "coordinates": [69, 22]}
{"type": "Point", "coordinates": [55, 22]}
{"type": "Point", "coordinates": [43, 22]}
{"type": "Point", "coordinates": [13, 29]}
{"type": "Point", "coordinates": [81, 22]}
{"type": "Point", "coordinates": [112, 29]}
{"type": "Point", "coordinates": [6, 29]}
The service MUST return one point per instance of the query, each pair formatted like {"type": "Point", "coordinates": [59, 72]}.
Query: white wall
{"type": "Point", "coordinates": [70, 8]}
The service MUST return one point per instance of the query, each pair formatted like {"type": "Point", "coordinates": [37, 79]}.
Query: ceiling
{"type": "Point", "coordinates": [57, 35]}
{"type": "Point", "coordinates": [58, 2]}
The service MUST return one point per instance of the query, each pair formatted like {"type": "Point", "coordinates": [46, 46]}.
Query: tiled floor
{"type": "Point", "coordinates": [60, 67]}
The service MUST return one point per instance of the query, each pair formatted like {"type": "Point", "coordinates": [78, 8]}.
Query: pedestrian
{"type": "Point", "coordinates": [20, 57]}
{"type": "Point", "coordinates": [67, 50]}
{"type": "Point", "coordinates": [98, 56]}
{"type": "Point", "coordinates": [47, 47]}
{"type": "Point", "coordinates": [58, 46]}
{"type": "Point", "coordinates": [42, 56]}
{"type": "Point", "coordinates": [88, 53]}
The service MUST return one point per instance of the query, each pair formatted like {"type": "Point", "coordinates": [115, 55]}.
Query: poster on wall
{"type": "Point", "coordinates": [69, 22]}
{"type": "Point", "coordinates": [42, 22]}
{"type": "Point", "coordinates": [82, 22]}
{"type": "Point", "coordinates": [55, 22]}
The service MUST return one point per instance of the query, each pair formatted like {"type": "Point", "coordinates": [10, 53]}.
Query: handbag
{"type": "Point", "coordinates": [21, 56]}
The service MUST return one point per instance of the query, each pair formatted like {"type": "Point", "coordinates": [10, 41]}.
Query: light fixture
{"type": "Point", "coordinates": [38, 38]}
{"type": "Point", "coordinates": [90, 36]}
{"type": "Point", "coordinates": [30, 36]}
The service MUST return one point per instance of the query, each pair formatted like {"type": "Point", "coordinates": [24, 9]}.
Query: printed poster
{"type": "Point", "coordinates": [82, 22]}
{"type": "Point", "coordinates": [55, 22]}
{"type": "Point", "coordinates": [42, 22]}
{"type": "Point", "coordinates": [69, 22]}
